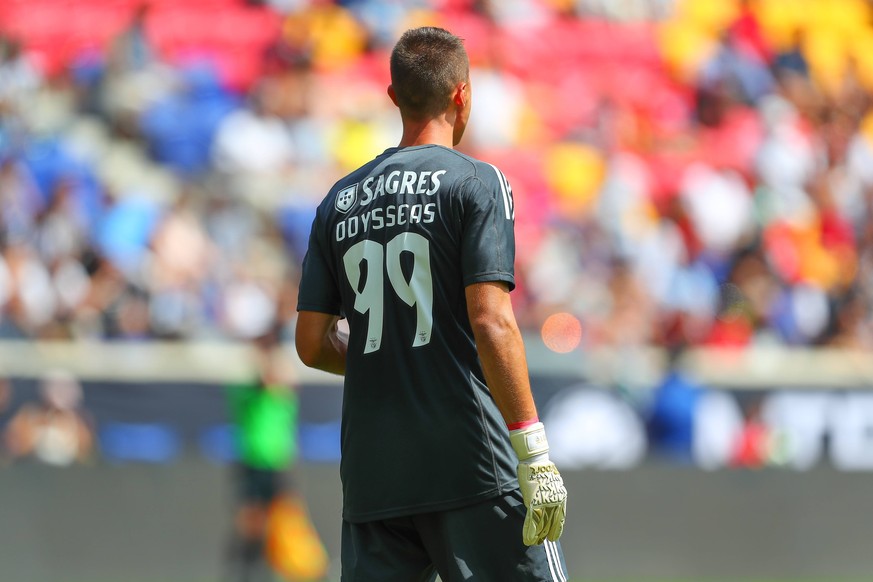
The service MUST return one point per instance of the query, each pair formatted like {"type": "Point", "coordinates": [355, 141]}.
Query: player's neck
{"type": "Point", "coordinates": [430, 132]}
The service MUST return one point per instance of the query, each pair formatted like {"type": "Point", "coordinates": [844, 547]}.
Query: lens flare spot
{"type": "Point", "coordinates": [562, 332]}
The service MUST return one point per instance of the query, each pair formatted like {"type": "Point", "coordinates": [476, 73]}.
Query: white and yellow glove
{"type": "Point", "coordinates": [541, 485]}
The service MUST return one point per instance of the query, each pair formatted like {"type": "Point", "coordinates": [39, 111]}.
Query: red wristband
{"type": "Point", "coordinates": [522, 424]}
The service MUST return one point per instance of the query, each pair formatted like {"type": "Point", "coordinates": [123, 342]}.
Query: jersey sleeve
{"type": "Point", "coordinates": [488, 239]}
{"type": "Point", "coordinates": [319, 290]}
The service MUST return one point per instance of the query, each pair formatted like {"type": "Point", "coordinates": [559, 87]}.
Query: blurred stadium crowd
{"type": "Point", "coordinates": [686, 172]}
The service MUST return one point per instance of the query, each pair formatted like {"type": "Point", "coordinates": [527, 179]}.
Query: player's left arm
{"type": "Point", "coordinates": [501, 351]}
{"type": "Point", "coordinates": [320, 343]}
{"type": "Point", "coordinates": [487, 257]}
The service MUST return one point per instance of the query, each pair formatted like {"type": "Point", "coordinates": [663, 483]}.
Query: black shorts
{"type": "Point", "coordinates": [260, 486]}
{"type": "Point", "coordinates": [478, 542]}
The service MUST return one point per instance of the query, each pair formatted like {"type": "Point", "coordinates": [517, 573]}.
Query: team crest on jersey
{"type": "Point", "coordinates": [346, 198]}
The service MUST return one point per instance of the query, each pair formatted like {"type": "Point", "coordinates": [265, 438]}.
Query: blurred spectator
{"type": "Point", "coordinates": [849, 325]}
{"type": "Point", "coordinates": [5, 399]}
{"type": "Point", "coordinates": [754, 444]}
{"type": "Point", "coordinates": [670, 419]}
{"type": "Point", "coordinates": [32, 302]}
{"type": "Point", "coordinates": [125, 81]}
{"type": "Point", "coordinates": [253, 147]}
{"type": "Point", "coordinates": [499, 124]}
{"type": "Point", "coordinates": [742, 76]}
{"type": "Point", "coordinates": [20, 200]}
{"type": "Point", "coordinates": [791, 60]}
{"type": "Point", "coordinates": [55, 430]}
{"type": "Point", "coordinates": [177, 266]}
{"type": "Point", "coordinates": [747, 34]}
{"type": "Point", "coordinates": [629, 319]}
{"type": "Point", "coordinates": [132, 50]}
{"type": "Point", "coordinates": [18, 77]}
{"type": "Point", "coordinates": [785, 161]}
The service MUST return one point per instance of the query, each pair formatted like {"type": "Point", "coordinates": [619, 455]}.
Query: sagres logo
{"type": "Point", "coordinates": [346, 197]}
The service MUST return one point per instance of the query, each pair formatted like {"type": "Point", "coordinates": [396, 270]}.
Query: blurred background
{"type": "Point", "coordinates": [693, 182]}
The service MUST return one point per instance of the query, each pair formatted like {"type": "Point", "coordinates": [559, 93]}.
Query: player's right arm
{"type": "Point", "coordinates": [320, 343]}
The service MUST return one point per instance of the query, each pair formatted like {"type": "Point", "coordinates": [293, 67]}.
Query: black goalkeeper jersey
{"type": "Point", "coordinates": [392, 248]}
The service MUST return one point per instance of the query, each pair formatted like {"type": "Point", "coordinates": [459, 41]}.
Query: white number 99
{"type": "Point", "coordinates": [417, 291]}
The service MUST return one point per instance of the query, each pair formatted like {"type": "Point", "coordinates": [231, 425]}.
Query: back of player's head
{"type": "Point", "coordinates": [426, 65]}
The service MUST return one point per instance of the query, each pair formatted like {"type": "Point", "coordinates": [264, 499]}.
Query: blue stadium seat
{"type": "Point", "coordinates": [139, 442]}
{"type": "Point", "coordinates": [320, 442]}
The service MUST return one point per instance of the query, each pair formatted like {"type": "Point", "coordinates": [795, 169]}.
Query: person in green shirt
{"type": "Point", "coordinates": [264, 415]}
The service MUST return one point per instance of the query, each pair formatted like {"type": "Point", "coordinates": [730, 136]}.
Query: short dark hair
{"type": "Point", "coordinates": [427, 63]}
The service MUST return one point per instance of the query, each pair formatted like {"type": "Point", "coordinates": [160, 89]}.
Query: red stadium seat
{"type": "Point", "coordinates": [96, 26]}
{"type": "Point", "coordinates": [239, 70]}
{"type": "Point", "coordinates": [242, 28]}
{"type": "Point", "coordinates": [35, 22]}
{"type": "Point", "coordinates": [473, 28]}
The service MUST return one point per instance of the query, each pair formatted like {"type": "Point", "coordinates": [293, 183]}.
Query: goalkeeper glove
{"type": "Point", "coordinates": [541, 485]}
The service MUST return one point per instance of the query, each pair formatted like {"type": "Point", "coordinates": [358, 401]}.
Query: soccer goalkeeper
{"type": "Point", "coordinates": [445, 466]}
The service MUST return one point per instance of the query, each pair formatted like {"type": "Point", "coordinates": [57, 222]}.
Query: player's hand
{"type": "Point", "coordinates": [542, 487]}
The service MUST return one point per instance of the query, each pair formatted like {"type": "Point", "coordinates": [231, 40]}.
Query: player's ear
{"type": "Point", "coordinates": [461, 96]}
{"type": "Point", "coordinates": [392, 94]}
